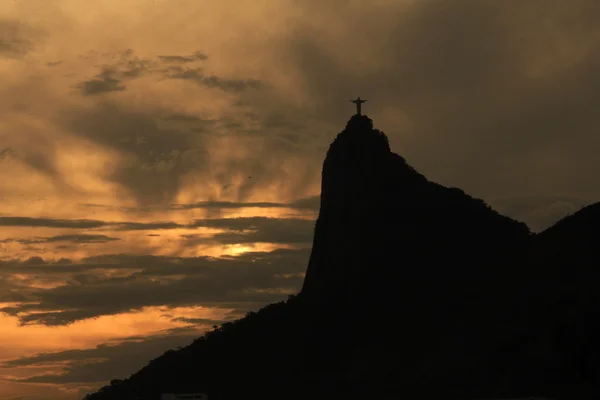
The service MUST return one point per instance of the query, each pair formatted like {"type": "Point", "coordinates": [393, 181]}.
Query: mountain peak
{"type": "Point", "coordinates": [359, 122]}
{"type": "Point", "coordinates": [359, 137]}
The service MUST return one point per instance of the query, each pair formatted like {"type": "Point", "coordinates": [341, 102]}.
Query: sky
{"type": "Point", "coordinates": [160, 160]}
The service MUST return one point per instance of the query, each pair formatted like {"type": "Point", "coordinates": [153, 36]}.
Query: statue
{"type": "Point", "coordinates": [358, 103]}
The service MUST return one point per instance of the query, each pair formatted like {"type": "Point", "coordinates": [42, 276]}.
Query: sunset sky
{"type": "Point", "coordinates": [160, 160]}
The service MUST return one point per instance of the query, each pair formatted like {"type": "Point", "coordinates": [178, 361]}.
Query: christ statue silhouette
{"type": "Point", "coordinates": [358, 103]}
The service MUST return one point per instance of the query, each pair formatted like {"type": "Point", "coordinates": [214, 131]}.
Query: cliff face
{"type": "Point", "coordinates": [381, 222]}
{"type": "Point", "coordinates": [352, 180]}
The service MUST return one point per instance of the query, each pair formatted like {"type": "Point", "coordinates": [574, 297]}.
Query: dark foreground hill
{"type": "Point", "coordinates": [413, 289]}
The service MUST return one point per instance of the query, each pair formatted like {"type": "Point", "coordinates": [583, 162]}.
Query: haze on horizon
{"type": "Point", "coordinates": [160, 160]}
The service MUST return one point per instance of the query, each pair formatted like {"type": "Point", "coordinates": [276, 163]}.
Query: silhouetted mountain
{"type": "Point", "coordinates": [380, 220]}
{"type": "Point", "coordinates": [412, 287]}
{"type": "Point", "coordinates": [569, 253]}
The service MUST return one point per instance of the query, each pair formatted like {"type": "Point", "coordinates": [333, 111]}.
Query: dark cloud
{"type": "Point", "coordinates": [236, 230]}
{"type": "Point", "coordinates": [184, 59]}
{"type": "Point", "coordinates": [231, 85]}
{"type": "Point", "coordinates": [84, 279]}
{"type": "Point", "coordinates": [259, 229]}
{"type": "Point", "coordinates": [82, 224]}
{"type": "Point", "coordinates": [37, 265]}
{"type": "Point", "coordinates": [106, 361]}
{"type": "Point", "coordinates": [104, 82]}
{"type": "Point", "coordinates": [188, 118]}
{"type": "Point", "coordinates": [194, 123]}
{"type": "Point", "coordinates": [309, 203]}
{"type": "Point", "coordinates": [51, 223]}
{"type": "Point", "coordinates": [198, 321]}
{"type": "Point", "coordinates": [247, 280]}
{"type": "Point", "coordinates": [211, 81]}
{"type": "Point", "coordinates": [6, 153]}
{"type": "Point", "coordinates": [82, 238]}
{"type": "Point", "coordinates": [63, 238]}
{"type": "Point", "coordinates": [227, 205]}
{"type": "Point", "coordinates": [8, 288]}
{"type": "Point", "coordinates": [127, 67]}
{"type": "Point", "coordinates": [141, 226]}
{"type": "Point", "coordinates": [34, 261]}
{"type": "Point", "coordinates": [17, 38]}
{"type": "Point", "coordinates": [112, 76]}
{"type": "Point", "coordinates": [134, 68]}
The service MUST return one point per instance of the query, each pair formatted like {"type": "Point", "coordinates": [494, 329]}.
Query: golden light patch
{"type": "Point", "coordinates": [237, 249]}
{"type": "Point", "coordinates": [36, 282]}
{"type": "Point", "coordinates": [31, 339]}
{"type": "Point", "coordinates": [111, 330]}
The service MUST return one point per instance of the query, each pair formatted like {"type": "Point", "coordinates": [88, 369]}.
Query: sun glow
{"type": "Point", "coordinates": [237, 249]}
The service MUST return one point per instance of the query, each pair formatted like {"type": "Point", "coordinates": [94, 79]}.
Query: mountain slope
{"type": "Point", "coordinates": [569, 252]}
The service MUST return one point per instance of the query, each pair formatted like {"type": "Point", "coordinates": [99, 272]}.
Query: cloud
{"type": "Point", "coordinates": [17, 38]}
{"type": "Point", "coordinates": [244, 280]}
{"type": "Point", "coordinates": [457, 83]}
{"type": "Point", "coordinates": [128, 67]}
{"type": "Point", "coordinates": [309, 203]}
{"type": "Point", "coordinates": [102, 83]}
{"type": "Point", "coordinates": [112, 76]}
{"type": "Point", "coordinates": [198, 321]}
{"type": "Point", "coordinates": [6, 153]}
{"type": "Point", "coordinates": [83, 238]}
{"type": "Point", "coordinates": [260, 229]}
{"type": "Point", "coordinates": [158, 148]}
{"type": "Point", "coordinates": [51, 223]}
{"type": "Point", "coordinates": [178, 117]}
{"type": "Point", "coordinates": [266, 226]}
{"type": "Point", "coordinates": [211, 81]}
{"type": "Point", "coordinates": [142, 226]}
{"type": "Point", "coordinates": [227, 205]}
{"type": "Point", "coordinates": [34, 261]}
{"type": "Point", "coordinates": [151, 159]}
{"type": "Point", "coordinates": [184, 59]}
{"type": "Point", "coordinates": [105, 361]}
{"type": "Point", "coordinates": [43, 160]}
